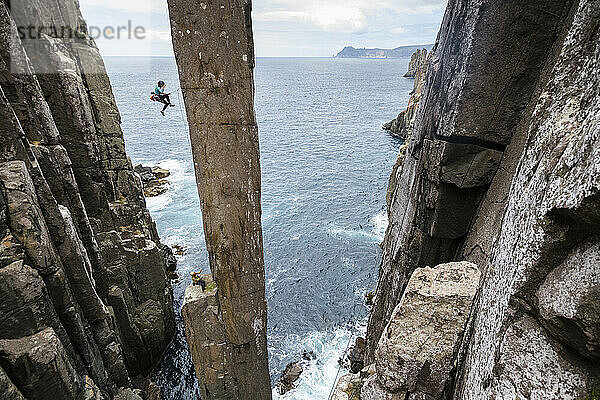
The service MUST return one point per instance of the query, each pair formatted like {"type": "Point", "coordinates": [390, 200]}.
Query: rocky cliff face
{"type": "Point", "coordinates": [86, 306]}
{"type": "Point", "coordinates": [214, 48]}
{"type": "Point", "coordinates": [502, 171]}
{"type": "Point", "coordinates": [205, 333]}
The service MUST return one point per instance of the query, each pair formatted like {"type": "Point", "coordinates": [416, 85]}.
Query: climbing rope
{"type": "Point", "coordinates": [183, 118]}
{"type": "Point", "coordinates": [339, 369]}
{"type": "Point", "coordinates": [352, 320]}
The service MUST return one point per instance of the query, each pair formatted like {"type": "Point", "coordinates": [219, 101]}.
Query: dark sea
{"type": "Point", "coordinates": [325, 165]}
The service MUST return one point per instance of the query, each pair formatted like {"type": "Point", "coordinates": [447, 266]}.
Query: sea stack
{"type": "Point", "coordinates": [214, 49]}
{"type": "Point", "coordinates": [403, 124]}
{"type": "Point", "coordinates": [416, 60]}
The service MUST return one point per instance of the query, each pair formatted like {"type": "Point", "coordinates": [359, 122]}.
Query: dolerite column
{"type": "Point", "coordinates": [214, 49]}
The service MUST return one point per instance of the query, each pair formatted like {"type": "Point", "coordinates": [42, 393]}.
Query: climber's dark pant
{"type": "Point", "coordinates": [164, 98]}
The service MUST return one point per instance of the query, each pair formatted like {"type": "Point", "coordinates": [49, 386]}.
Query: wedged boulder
{"type": "Point", "coordinates": [205, 334]}
{"type": "Point", "coordinates": [416, 352]}
{"type": "Point", "coordinates": [469, 166]}
{"type": "Point", "coordinates": [40, 367]}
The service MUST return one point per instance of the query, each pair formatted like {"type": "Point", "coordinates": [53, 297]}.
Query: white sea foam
{"type": "Point", "coordinates": [319, 374]}
{"type": "Point", "coordinates": [179, 169]}
{"type": "Point", "coordinates": [158, 203]}
{"type": "Point", "coordinates": [379, 225]}
{"type": "Point", "coordinates": [179, 175]}
{"type": "Point", "coordinates": [355, 234]}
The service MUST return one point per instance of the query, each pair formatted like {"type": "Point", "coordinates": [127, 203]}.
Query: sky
{"type": "Point", "coordinates": [282, 28]}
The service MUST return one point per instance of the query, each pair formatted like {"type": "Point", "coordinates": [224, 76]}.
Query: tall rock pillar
{"type": "Point", "coordinates": [214, 48]}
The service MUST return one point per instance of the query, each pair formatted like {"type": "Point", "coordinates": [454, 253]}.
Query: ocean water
{"type": "Point", "coordinates": [325, 164]}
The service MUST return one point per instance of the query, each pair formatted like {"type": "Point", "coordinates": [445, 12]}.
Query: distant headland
{"type": "Point", "coordinates": [398, 52]}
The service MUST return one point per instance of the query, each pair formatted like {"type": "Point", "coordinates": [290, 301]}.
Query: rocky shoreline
{"type": "Point", "coordinates": [153, 179]}
{"type": "Point", "coordinates": [417, 61]}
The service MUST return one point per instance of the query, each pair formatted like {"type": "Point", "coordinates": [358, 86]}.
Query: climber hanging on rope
{"type": "Point", "coordinates": [162, 97]}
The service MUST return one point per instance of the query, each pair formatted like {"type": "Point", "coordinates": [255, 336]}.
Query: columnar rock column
{"type": "Point", "coordinates": [214, 49]}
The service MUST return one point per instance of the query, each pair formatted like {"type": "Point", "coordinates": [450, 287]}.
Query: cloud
{"type": "Point", "coordinates": [159, 35]}
{"type": "Point", "coordinates": [285, 27]}
{"type": "Point", "coordinates": [331, 16]}
{"type": "Point", "coordinates": [343, 16]}
{"type": "Point", "coordinates": [130, 6]}
{"type": "Point", "coordinates": [412, 7]}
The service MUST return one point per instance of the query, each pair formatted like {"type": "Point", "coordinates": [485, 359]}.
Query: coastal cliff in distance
{"type": "Point", "coordinates": [398, 52]}
{"type": "Point", "coordinates": [501, 174]}
{"type": "Point", "coordinates": [402, 125]}
{"type": "Point", "coordinates": [86, 309]}
{"type": "Point", "coordinates": [417, 60]}
{"type": "Point", "coordinates": [214, 50]}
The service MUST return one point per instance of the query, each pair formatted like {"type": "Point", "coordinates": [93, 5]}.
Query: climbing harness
{"type": "Point", "coordinates": [155, 97]}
